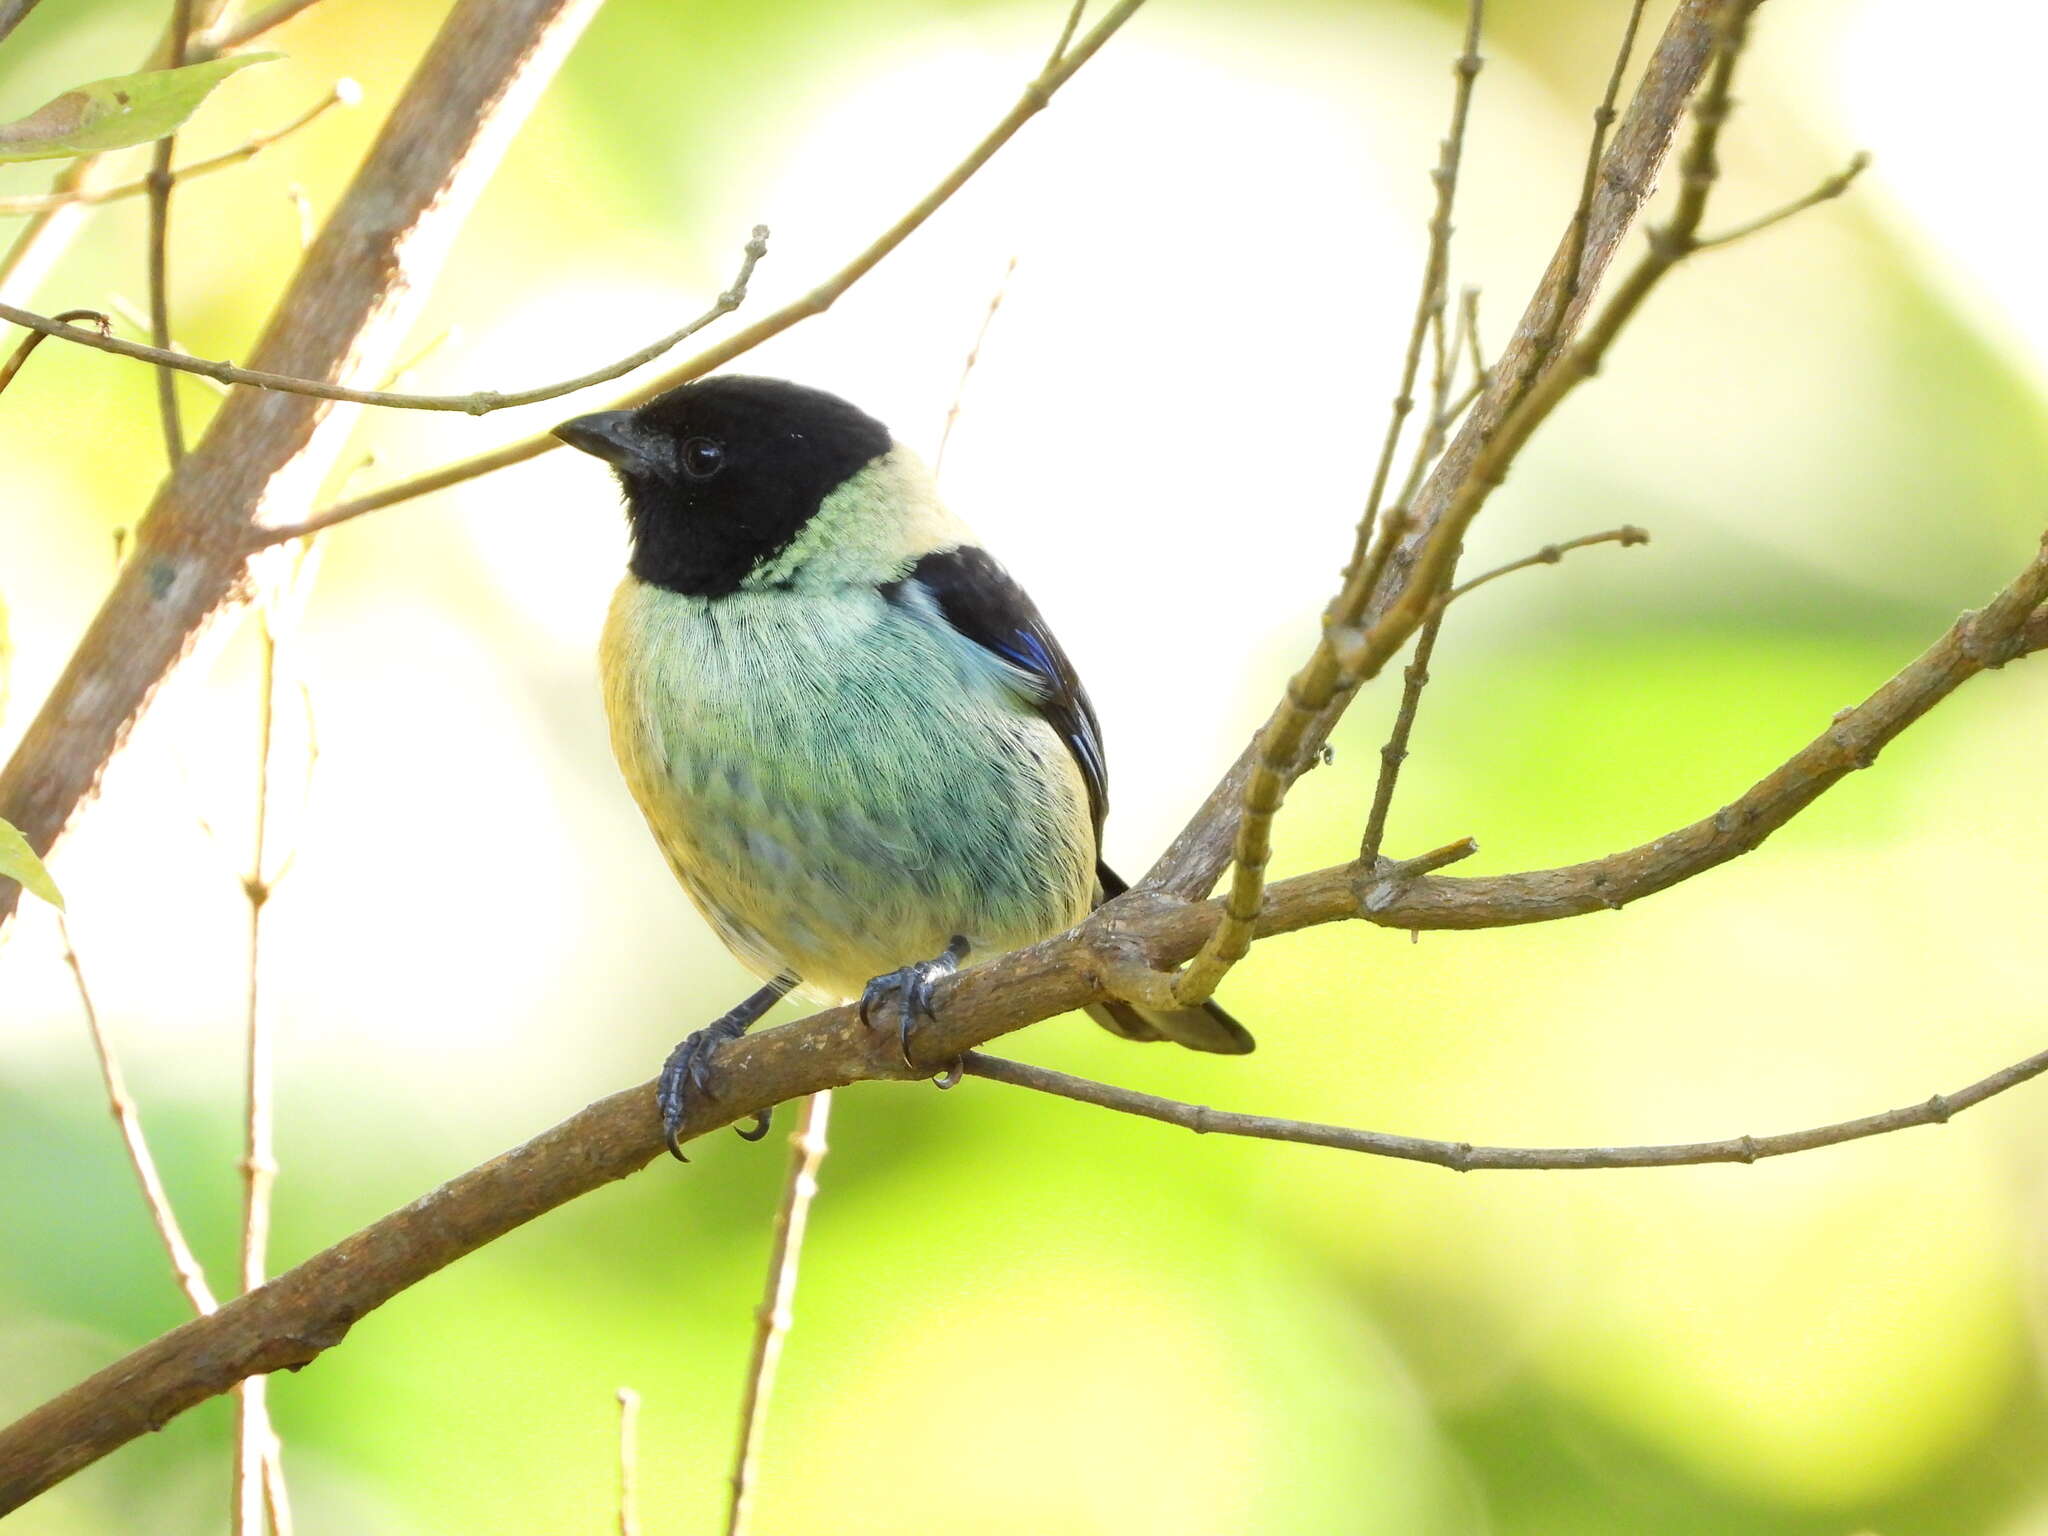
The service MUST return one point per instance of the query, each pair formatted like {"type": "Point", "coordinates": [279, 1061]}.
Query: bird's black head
{"type": "Point", "coordinates": [722, 474]}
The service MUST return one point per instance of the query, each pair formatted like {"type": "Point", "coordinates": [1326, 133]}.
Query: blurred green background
{"type": "Point", "coordinates": [1020, 1315]}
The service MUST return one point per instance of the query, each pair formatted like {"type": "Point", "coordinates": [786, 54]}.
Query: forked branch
{"type": "Point", "coordinates": [296, 1316]}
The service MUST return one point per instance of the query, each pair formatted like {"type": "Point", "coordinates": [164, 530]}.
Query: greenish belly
{"type": "Point", "coordinates": [838, 817]}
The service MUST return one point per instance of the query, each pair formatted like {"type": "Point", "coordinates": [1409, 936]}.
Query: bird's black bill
{"type": "Point", "coordinates": [614, 436]}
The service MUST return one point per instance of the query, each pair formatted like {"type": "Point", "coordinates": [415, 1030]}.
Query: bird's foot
{"type": "Point", "coordinates": [909, 993]}
{"type": "Point", "coordinates": [686, 1078]}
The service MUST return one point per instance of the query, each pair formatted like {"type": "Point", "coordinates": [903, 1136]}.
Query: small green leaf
{"type": "Point", "coordinates": [113, 114]}
{"type": "Point", "coordinates": [18, 861]}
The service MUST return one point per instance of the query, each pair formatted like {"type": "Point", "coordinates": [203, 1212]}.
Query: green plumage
{"type": "Point", "coordinates": [842, 783]}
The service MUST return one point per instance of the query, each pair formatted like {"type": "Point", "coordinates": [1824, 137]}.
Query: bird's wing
{"type": "Point", "coordinates": [981, 600]}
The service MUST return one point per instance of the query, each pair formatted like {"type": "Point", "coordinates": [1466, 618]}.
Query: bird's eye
{"type": "Point", "coordinates": [703, 457]}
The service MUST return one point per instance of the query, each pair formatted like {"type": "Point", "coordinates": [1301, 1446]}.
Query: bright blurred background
{"type": "Point", "coordinates": [1019, 1315]}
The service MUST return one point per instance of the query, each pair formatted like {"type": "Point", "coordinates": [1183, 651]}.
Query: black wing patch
{"type": "Point", "coordinates": [981, 600]}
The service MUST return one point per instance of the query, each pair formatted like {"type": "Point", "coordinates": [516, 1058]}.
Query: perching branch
{"type": "Point", "coordinates": [342, 317]}
{"type": "Point", "coordinates": [477, 403]}
{"type": "Point", "coordinates": [291, 1320]}
{"type": "Point", "coordinates": [1037, 96]}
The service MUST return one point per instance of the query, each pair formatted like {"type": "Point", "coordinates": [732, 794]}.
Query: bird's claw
{"type": "Point", "coordinates": [910, 989]}
{"type": "Point", "coordinates": [686, 1077]}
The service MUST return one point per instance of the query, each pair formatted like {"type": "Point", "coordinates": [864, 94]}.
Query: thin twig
{"type": "Point", "coordinates": [1059, 49]}
{"type": "Point", "coordinates": [1582, 215]}
{"type": "Point", "coordinates": [821, 298]}
{"type": "Point", "coordinates": [1464, 1157]}
{"type": "Point", "coordinates": [1626, 535]}
{"type": "Point", "coordinates": [1832, 188]}
{"type": "Point", "coordinates": [159, 183]}
{"type": "Point", "coordinates": [184, 1263]}
{"type": "Point", "coordinates": [253, 1433]}
{"type": "Point", "coordinates": [478, 403]}
{"type": "Point", "coordinates": [277, 609]}
{"type": "Point", "coordinates": [257, 1442]}
{"type": "Point", "coordinates": [346, 93]}
{"type": "Point", "coordinates": [34, 339]}
{"type": "Point", "coordinates": [1416, 676]}
{"type": "Point", "coordinates": [974, 352]}
{"type": "Point", "coordinates": [773, 1318]}
{"type": "Point", "coordinates": [629, 1462]}
{"type": "Point", "coordinates": [217, 40]}
{"type": "Point", "coordinates": [1436, 260]}
{"type": "Point", "coordinates": [128, 314]}
{"type": "Point", "coordinates": [1267, 785]}
{"type": "Point", "coordinates": [1464, 338]}
{"type": "Point", "coordinates": [1468, 327]}
{"type": "Point", "coordinates": [276, 1501]}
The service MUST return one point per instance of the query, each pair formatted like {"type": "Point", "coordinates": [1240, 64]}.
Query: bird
{"type": "Point", "coordinates": [854, 737]}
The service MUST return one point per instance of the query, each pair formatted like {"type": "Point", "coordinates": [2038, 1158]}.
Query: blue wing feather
{"type": "Point", "coordinates": [983, 603]}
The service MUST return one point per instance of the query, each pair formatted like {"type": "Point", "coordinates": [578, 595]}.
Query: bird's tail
{"type": "Point", "coordinates": [1207, 1028]}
